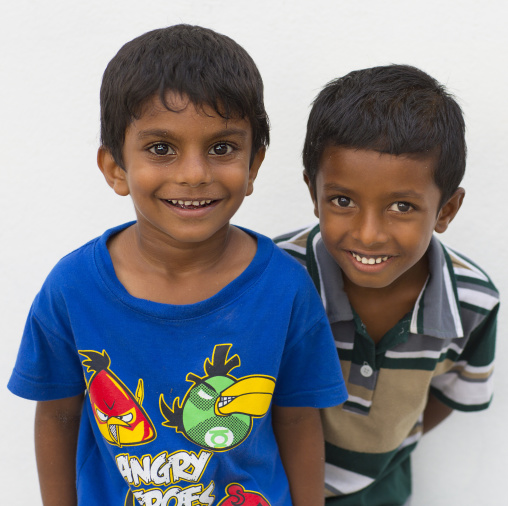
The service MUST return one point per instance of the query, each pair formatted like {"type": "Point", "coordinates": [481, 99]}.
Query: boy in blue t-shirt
{"type": "Point", "coordinates": [202, 378]}
{"type": "Point", "coordinates": [414, 321]}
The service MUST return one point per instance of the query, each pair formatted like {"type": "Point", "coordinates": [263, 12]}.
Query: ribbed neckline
{"type": "Point", "coordinates": [228, 294]}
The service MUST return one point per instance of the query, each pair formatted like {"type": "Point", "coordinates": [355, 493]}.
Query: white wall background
{"type": "Point", "coordinates": [53, 198]}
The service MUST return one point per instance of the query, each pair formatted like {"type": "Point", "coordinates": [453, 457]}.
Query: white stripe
{"type": "Point", "coordinates": [461, 271]}
{"type": "Point", "coordinates": [413, 354]}
{"type": "Point", "coordinates": [414, 319]}
{"type": "Point", "coordinates": [450, 295]}
{"type": "Point", "coordinates": [359, 400]}
{"type": "Point", "coordinates": [454, 254]}
{"type": "Point", "coordinates": [293, 247]}
{"type": "Point", "coordinates": [345, 481]}
{"type": "Point", "coordinates": [471, 369]}
{"type": "Point", "coordinates": [343, 345]}
{"type": "Point", "coordinates": [323, 294]}
{"type": "Point", "coordinates": [467, 393]}
{"type": "Point", "coordinates": [410, 440]}
{"type": "Point", "coordinates": [424, 353]}
{"type": "Point", "coordinates": [477, 298]}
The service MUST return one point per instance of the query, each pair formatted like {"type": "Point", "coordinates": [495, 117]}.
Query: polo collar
{"type": "Point", "coordinates": [436, 311]}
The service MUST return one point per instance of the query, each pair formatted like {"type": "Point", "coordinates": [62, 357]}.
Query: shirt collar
{"type": "Point", "coordinates": [436, 311]}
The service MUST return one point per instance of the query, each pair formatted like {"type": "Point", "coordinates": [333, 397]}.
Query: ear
{"type": "Point", "coordinates": [312, 192]}
{"type": "Point", "coordinates": [449, 210]}
{"type": "Point", "coordinates": [115, 176]}
{"type": "Point", "coordinates": [254, 169]}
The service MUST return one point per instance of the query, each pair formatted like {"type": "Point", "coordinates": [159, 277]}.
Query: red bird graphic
{"type": "Point", "coordinates": [118, 413]}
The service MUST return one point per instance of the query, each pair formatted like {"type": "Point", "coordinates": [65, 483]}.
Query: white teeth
{"type": "Point", "coordinates": [195, 203]}
{"type": "Point", "coordinates": [180, 202]}
{"type": "Point", "coordinates": [188, 202]}
{"type": "Point", "coordinates": [369, 261]}
{"type": "Point", "coordinates": [208, 201]}
{"type": "Point", "coordinates": [202, 203]}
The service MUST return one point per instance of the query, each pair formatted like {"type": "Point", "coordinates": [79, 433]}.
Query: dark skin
{"type": "Point", "coordinates": [303, 462]}
{"type": "Point", "coordinates": [56, 435]}
{"type": "Point", "coordinates": [181, 254]}
{"type": "Point", "coordinates": [381, 208]}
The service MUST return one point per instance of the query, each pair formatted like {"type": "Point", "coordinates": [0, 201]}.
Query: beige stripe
{"type": "Point", "coordinates": [399, 400]}
{"type": "Point", "coordinates": [451, 366]}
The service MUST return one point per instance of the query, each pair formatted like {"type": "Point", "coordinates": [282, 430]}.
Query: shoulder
{"type": "Point", "coordinates": [299, 243]}
{"type": "Point", "coordinates": [470, 278]}
{"type": "Point", "coordinates": [476, 296]}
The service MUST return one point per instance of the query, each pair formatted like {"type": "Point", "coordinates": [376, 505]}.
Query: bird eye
{"type": "Point", "coordinates": [100, 415]}
{"type": "Point", "coordinates": [127, 418]}
{"type": "Point", "coordinates": [204, 395]}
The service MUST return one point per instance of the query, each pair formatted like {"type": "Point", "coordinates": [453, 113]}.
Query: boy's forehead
{"type": "Point", "coordinates": [365, 170]}
{"type": "Point", "coordinates": [178, 112]}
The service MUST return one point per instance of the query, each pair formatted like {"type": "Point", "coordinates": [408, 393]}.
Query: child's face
{"type": "Point", "coordinates": [187, 172]}
{"type": "Point", "coordinates": [377, 213]}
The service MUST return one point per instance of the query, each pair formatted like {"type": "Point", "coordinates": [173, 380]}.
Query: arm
{"type": "Point", "coordinates": [299, 436]}
{"type": "Point", "coordinates": [435, 412]}
{"type": "Point", "coordinates": [56, 434]}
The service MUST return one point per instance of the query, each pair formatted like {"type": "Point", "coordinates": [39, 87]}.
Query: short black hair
{"type": "Point", "coordinates": [395, 109]}
{"type": "Point", "coordinates": [209, 68]}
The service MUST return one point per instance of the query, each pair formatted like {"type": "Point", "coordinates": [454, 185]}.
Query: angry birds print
{"type": "Point", "coordinates": [217, 410]}
{"type": "Point", "coordinates": [238, 496]}
{"type": "Point", "coordinates": [118, 413]}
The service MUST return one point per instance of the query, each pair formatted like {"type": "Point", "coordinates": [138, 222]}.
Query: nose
{"type": "Point", "coordinates": [193, 170]}
{"type": "Point", "coordinates": [369, 228]}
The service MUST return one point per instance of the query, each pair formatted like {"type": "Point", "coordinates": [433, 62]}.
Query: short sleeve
{"type": "Point", "coordinates": [468, 385]}
{"type": "Point", "coordinates": [47, 366]}
{"type": "Point", "coordinates": [310, 373]}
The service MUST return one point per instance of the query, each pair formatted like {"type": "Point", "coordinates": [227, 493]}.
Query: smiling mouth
{"type": "Point", "coordinates": [369, 260]}
{"type": "Point", "coordinates": [190, 204]}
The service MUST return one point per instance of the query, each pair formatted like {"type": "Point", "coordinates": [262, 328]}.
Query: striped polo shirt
{"type": "Point", "coordinates": [444, 345]}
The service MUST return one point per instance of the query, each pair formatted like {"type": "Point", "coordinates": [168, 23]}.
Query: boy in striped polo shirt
{"type": "Point", "coordinates": [414, 321]}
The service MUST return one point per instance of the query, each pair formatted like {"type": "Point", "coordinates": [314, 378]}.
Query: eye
{"type": "Point", "coordinates": [343, 202]}
{"type": "Point", "coordinates": [221, 148]}
{"type": "Point", "coordinates": [204, 395]}
{"type": "Point", "coordinates": [100, 415]}
{"type": "Point", "coordinates": [401, 207]}
{"type": "Point", "coordinates": [127, 418]}
{"type": "Point", "coordinates": [161, 149]}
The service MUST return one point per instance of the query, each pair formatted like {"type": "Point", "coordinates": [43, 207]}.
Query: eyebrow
{"type": "Point", "coordinates": [397, 195]}
{"type": "Point", "coordinates": [166, 134]}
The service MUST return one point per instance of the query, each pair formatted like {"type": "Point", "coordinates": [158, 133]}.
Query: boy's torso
{"type": "Point", "coordinates": [143, 404]}
{"type": "Point", "coordinates": [388, 382]}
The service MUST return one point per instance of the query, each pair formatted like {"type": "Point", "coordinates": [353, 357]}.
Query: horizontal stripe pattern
{"type": "Point", "coordinates": [447, 346]}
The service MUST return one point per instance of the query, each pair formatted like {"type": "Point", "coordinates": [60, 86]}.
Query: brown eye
{"type": "Point", "coordinates": [161, 149]}
{"type": "Point", "coordinates": [221, 148]}
{"type": "Point", "coordinates": [401, 207]}
{"type": "Point", "coordinates": [343, 202]}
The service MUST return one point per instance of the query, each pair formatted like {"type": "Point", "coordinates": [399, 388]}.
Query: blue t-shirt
{"type": "Point", "coordinates": [178, 397]}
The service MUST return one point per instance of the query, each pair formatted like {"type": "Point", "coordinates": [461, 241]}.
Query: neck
{"type": "Point", "coordinates": [163, 253]}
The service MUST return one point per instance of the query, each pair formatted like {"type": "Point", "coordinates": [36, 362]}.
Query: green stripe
{"type": "Point", "coordinates": [460, 407]}
{"type": "Point", "coordinates": [476, 281]}
{"type": "Point", "coordinates": [356, 406]}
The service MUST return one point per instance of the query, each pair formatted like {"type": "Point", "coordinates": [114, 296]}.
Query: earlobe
{"type": "Point", "coordinates": [449, 210]}
{"type": "Point", "coordinates": [254, 169]}
{"type": "Point", "coordinates": [114, 174]}
{"type": "Point", "coordinates": [312, 193]}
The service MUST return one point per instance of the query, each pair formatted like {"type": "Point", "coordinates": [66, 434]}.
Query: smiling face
{"type": "Point", "coordinates": [187, 172]}
{"type": "Point", "coordinates": [377, 213]}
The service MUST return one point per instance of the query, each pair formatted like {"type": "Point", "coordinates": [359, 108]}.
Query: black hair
{"type": "Point", "coordinates": [209, 68]}
{"type": "Point", "coordinates": [395, 109]}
